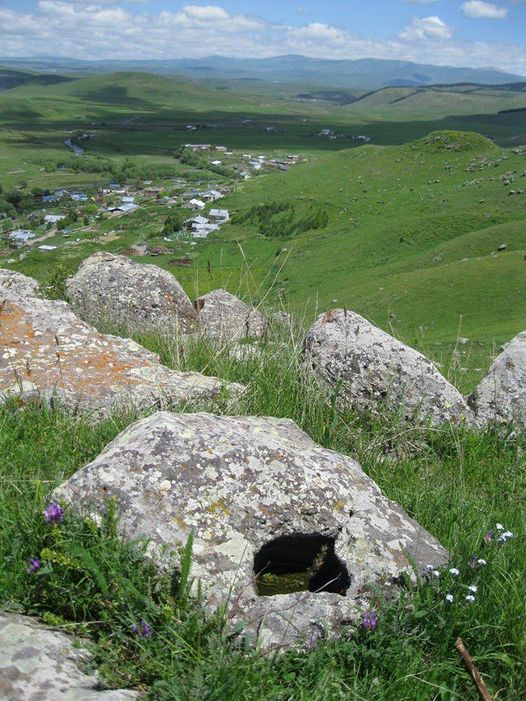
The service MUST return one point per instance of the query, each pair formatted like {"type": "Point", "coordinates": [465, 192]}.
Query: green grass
{"type": "Point", "coordinates": [457, 484]}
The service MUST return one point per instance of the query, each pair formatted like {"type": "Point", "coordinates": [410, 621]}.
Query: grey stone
{"type": "Point", "coordinates": [131, 296]}
{"type": "Point", "coordinates": [371, 370]}
{"type": "Point", "coordinates": [240, 483]}
{"type": "Point", "coordinates": [38, 663]}
{"type": "Point", "coordinates": [226, 317]}
{"type": "Point", "coordinates": [50, 354]}
{"type": "Point", "coordinates": [11, 281]}
{"type": "Point", "coordinates": [501, 395]}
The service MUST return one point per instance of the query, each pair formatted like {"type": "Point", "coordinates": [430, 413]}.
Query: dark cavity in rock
{"type": "Point", "coordinates": [300, 562]}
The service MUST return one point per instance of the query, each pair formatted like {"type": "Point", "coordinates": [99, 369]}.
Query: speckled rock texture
{"type": "Point", "coordinates": [13, 282]}
{"type": "Point", "coordinates": [226, 317]}
{"type": "Point", "coordinates": [132, 296]}
{"type": "Point", "coordinates": [239, 483]}
{"type": "Point", "coordinates": [46, 352]}
{"type": "Point", "coordinates": [501, 395]}
{"type": "Point", "coordinates": [38, 663]}
{"type": "Point", "coordinates": [371, 370]}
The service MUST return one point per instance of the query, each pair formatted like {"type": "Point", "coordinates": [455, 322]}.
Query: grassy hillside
{"type": "Point", "coordinates": [412, 240]}
{"type": "Point", "coordinates": [439, 101]}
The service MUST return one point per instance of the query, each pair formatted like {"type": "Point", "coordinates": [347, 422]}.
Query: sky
{"type": "Point", "coordinates": [476, 33]}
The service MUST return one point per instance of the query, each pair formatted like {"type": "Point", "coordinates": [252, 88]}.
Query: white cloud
{"type": "Point", "coordinates": [478, 9]}
{"type": "Point", "coordinates": [427, 28]}
{"type": "Point", "coordinates": [105, 30]}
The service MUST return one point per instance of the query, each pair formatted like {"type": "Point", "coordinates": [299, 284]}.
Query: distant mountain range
{"type": "Point", "coordinates": [368, 74]}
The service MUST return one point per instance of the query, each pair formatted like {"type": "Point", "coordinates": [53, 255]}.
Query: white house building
{"type": "Point", "coordinates": [196, 204]}
{"type": "Point", "coordinates": [219, 216]}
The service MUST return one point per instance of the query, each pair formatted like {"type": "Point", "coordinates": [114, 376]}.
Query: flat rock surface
{"type": "Point", "coordinates": [114, 289]}
{"type": "Point", "coordinates": [226, 317]}
{"type": "Point", "coordinates": [38, 663]}
{"type": "Point", "coordinates": [501, 395]}
{"type": "Point", "coordinates": [47, 352]}
{"type": "Point", "coordinates": [371, 370]}
{"type": "Point", "coordinates": [263, 501]}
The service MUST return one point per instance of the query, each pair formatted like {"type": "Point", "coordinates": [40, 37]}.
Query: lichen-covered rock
{"type": "Point", "coordinates": [132, 296]}
{"type": "Point", "coordinates": [13, 282]}
{"type": "Point", "coordinates": [226, 317]}
{"type": "Point", "coordinates": [271, 512]}
{"type": "Point", "coordinates": [371, 370]}
{"type": "Point", "coordinates": [38, 663]}
{"type": "Point", "coordinates": [501, 395]}
{"type": "Point", "coordinates": [46, 352]}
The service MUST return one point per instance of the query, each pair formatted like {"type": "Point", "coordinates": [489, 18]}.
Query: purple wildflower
{"type": "Point", "coordinates": [34, 565]}
{"type": "Point", "coordinates": [370, 620]}
{"type": "Point", "coordinates": [143, 629]}
{"type": "Point", "coordinates": [489, 537]}
{"type": "Point", "coordinates": [54, 514]}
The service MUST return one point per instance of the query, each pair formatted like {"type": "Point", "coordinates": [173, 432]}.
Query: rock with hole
{"type": "Point", "coordinates": [114, 290]}
{"type": "Point", "coordinates": [293, 537]}
{"type": "Point", "coordinates": [366, 369]}
{"type": "Point", "coordinates": [501, 396]}
{"type": "Point", "coordinates": [39, 663]}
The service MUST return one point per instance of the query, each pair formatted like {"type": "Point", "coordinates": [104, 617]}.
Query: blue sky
{"type": "Point", "coordinates": [453, 32]}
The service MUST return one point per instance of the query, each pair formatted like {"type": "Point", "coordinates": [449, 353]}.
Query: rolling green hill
{"type": "Point", "coordinates": [412, 240]}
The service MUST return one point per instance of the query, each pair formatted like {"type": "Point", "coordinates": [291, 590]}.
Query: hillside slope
{"type": "Point", "coordinates": [412, 240]}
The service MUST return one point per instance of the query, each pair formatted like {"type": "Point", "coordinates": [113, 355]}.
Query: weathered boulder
{"type": "Point", "coordinates": [37, 662]}
{"type": "Point", "coordinates": [13, 282]}
{"type": "Point", "coordinates": [263, 501]}
{"type": "Point", "coordinates": [46, 352]}
{"type": "Point", "coordinates": [226, 317]}
{"type": "Point", "coordinates": [371, 370]}
{"type": "Point", "coordinates": [132, 296]}
{"type": "Point", "coordinates": [501, 395]}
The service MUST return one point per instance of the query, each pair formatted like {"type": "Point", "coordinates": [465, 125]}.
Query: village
{"type": "Point", "coordinates": [68, 216]}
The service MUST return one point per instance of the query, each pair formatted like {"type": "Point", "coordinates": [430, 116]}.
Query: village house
{"type": "Point", "coordinates": [216, 163]}
{"type": "Point", "coordinates": [123, 208]}
{"type": "Point", "coordinates": [54, 218]}
{"type": "Point", "coordinates": [198, 147]}
{"type": "Point", "coordinates": [201, 232]}
{"type": "Point", "coordinates": [21, 236]}
{"type": "Point", "coordinates": [221, 149]}
{"type": "Point", "coordinates": [219, 216]}
{"type": "Point", "coordinates": [211, 195]}
{"type": "Point", "coordinates": [195, 222]}
{"type": "Point", "coordinates": [196, 204]}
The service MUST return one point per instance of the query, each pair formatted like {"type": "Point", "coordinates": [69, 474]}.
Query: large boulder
{"type": "Point", "coordinates": [40, 663]}
{"type": "Point", "coordinates": [50, 354]}
{"type": "Point", "coordinates": [501, 395]}
{"type": "Point", "coordinates": [13, 282]}
{"type": "Point", "coordinates": [271, 512]}
{"type": "Point", "coordinates": [225, 317]}
{"type": "Point", "coordinates": [115, 290]}
{"type": "Point", "coordinates": [370, 370]}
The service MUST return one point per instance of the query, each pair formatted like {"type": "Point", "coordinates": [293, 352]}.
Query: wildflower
{"type": "Point", "coordinates": [449, 598]}
{"type": "Point", "coordinates": [370, 620]}
{"type": "Point", "coordinates": [34, 565]}
{"type": "Point", "coordinates": [499, 526]}
{"type": "Point", "coordinates": [429, 568]}
{"type": "Point", "coordinates": [481, 562]}
{"type": "Point", "coordinates": [470, 598]}
{"type": "Point", "coordinates": [143, 629]}
{"type": "Point", "coordinates": [473, 588]}
{"type": "Point", "coordinates": [476, 562]}
{"type": "Point", "coordinates": [54, 514]}
{"type": "Point", "coordinates": [454, 572]}
{"type": "Point", "coordinates": [436, 573]}
{"type": "Point", "coordinates": [489, 537]}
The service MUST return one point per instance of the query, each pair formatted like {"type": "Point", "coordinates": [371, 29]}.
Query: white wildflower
{"type": "Point", "coordinates": [473, 588]}
{"type": "Point", "coordinates": [481, 562]}
{"type": "Point", "coordinates": [449, 598]}
{"type": "Point", "coordinates": [499, 527]}
{"type": "Point", "coordinates": [470, 598]}
{"type": "Point", "coordinates": [454, 572]}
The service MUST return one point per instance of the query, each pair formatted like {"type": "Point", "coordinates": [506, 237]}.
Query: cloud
{"type": "Point", "coordinates": [478, 9]}
{"type": "Point", "coordinates": [111, 30]}
{"type": "Point", "coordinates": [420, 2]}
{"type": "Point", "coordinates": [427, 28]}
